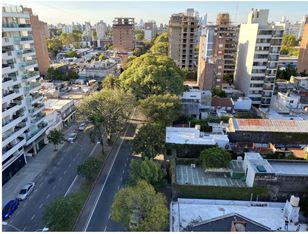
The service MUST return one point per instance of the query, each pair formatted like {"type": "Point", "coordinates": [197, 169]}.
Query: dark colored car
{"type": "Point", "coordinates": [9, 209]}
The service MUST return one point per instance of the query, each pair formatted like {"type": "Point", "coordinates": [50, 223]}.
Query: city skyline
{"type": "Point", "coordinates": [66, 12]}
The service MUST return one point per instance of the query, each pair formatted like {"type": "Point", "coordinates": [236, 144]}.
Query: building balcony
{"type": "Point", "coordinates": [11, 108]}
{"type": "Point", "coordinates": [7, 55]}
{"type": "Point", "coordinates": [9, 136]}
{"type": "Point", "coordinates": [36, 97]}
{"type": "Point", "coordinates": [35, 110]}
{"type": "Point", "coordinates": [29, 64]}
{"type": "Point", "coordinates": [16, 119]}
{"type": "Point", "coordinates": [34, 86]}
{"type": "Point", "coordinates": [33, 135]}
{"type": "Point", "coordinates": [14, 27]}
{"type": "Point", "coordinates": [30, 75]}
{"type": "Point", "coordinates": [7, 41]}
{"type": "Point", "coordinates": [28, 52]}
{"type": "Point", "coordinates": [10, 149]}
{"type": "Point", "coordinates": [8, 68]}
{"type": "Point", "coordinates": [12, 94]}
{"type": "Point", "coordinates": [38, 118]}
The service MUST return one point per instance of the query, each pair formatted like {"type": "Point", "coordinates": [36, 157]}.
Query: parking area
{"type": "Point", "coordinates": [186, 174]}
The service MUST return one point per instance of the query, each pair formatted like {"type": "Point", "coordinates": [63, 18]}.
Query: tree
{"type": "Point", "coordinates": [228, 77]}
{"type": "Point", "coordinates": [140, 208]}
{"type": "Point", "coordinates": [287, 45]}
{"type": "Point", "coordinates": [106, 111]}
{"type": "Point", "coordinates": [218, 92]}
{"type": "Point", "coordinates": [163, 108]}
{"type": "Point", "coordinates": [54, 46]}
{"type": "Point", "coordinates": [161, 38]}
{"type": "Point", "coordinates": [110, 82]}
{"type": "Point", "coordinates": [160, 48]}
{"type": "Point", "coordinates": [139, 34]}
{"type": "Point", "coordinates": [55, 74]}
{"type": "Point", "coordinates": [147, 170]}
{"type": "Point", "coordinates": [102, 57]}
{"type": "Point", "coordinates": [56, 137]}
{"type": "Point", "coordinates": [189, 74]}
{"type": "Point", "coordinates": [286, 73]}
{"type": "Point", "coordinates": [58, 215]}
{"type": "Point", "coordinates": [215, 158]}
{"type": "Point", "coordinates": [90, 168]}
{"type": "Point", "coordinates": [149, 141]}
{"type": "Point", "coordinates": [152, 74]}
{"type": "Point", "coordinates": [71, 54]}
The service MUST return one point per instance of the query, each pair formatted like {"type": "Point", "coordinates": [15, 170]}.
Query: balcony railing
{"type": "Point", "coordinates": [40, 126]}
{"type": "Point", "coordinates": [15, 25]}
{"type": "Point", "coordinates": [30, 74]}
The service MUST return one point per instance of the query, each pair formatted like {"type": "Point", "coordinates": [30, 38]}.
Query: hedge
{"type": "Point", "coordinates": [219, 192]}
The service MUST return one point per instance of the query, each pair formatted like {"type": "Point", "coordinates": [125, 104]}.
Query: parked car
{"type": "Point", "coordinates": [25, 191]}
{"type": "Point", "coordinates": [9, 209]}
{"type": "Point", "coordinates": [82, 126]}
{"type": "Point", "coordinates": [71, 137]}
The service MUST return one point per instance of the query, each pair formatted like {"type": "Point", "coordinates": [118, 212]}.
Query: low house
{"type": "Point", "coordinates": [206, 215]}
{"type": "Point", "coordinates": [192, 140]}
{"type": "Point", "coordinates": [222, 105]}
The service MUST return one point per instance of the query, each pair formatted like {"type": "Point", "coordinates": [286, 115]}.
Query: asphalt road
{"type": "Point", "coordinates": [53, 183]}
{"type": "Point", "coordinates": [99, 219]}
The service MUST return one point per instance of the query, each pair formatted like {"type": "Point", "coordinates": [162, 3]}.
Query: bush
{"type": "Point", "coordinates": [215, 158]}
{"type": "Point", "coordinates": [90, 168]}
{"type": "Point", "coordinates": [224, 193]}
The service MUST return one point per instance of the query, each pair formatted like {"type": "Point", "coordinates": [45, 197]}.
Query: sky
{"type": "Point", "coordinates": [54, 12]}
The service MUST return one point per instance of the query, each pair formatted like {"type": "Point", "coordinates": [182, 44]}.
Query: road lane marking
{"type": "Point", "coordinates": [118, 187]}
{"type": "Point", "coordinates": [109, 216]}
{"type": "Point", "coordinates": [105, 228]}
{"type": "Point", "coordinates": [47, 196]}
{"type": "Point", "coordinates": [102, 189]}
{"type": "Point", "coordinates": [70, 187]}
{"type": "Point", "coordinates": [40, 206]}
{"type": "Point", "coordinates": [32, 217]}
{"type": "Point", "coordinates": [64, 172]}
{"type": "Point", "coordinates": [69, 165]}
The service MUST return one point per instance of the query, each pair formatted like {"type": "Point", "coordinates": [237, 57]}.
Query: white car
{"type": "Point", "coordinates": [82, 126]}
{"type": "Point", "coordinates": [26, 191]}
{"type": "Point", "coordinates": [71, 137]}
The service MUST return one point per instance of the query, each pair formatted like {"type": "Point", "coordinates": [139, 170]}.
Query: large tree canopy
{"type": "Point", "coordinates": [152, 74]}
{"type": "Point", "coordinates": [147, 170]}
{"type": "Point", "coordinates": [161, 38]}
{"type": "Point", "coordinates": [106, 110]}
{"type": "Point", "coordinates": [215, 158]}
{"type": "Point", "coordinates": [160, 48]}
{"type": "Point", "coordinates": [140, 208]}
{"type": "Point", "coordinates": [149, 141]}
{"type": "Point", "coordinates": [163, 109]}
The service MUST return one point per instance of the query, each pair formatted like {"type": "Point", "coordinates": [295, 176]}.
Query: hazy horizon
{"type": "Point", "coordinates": [70, 11]}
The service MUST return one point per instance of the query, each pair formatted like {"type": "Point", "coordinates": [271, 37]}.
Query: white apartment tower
{"type": "Point", "coordinates": [257, 57]}
{"type": "Point", "coordinates": [23, 119]}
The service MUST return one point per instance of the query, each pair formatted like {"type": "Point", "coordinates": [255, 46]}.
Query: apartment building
{"type": "Point", "coordinates": [123, 34]}
{"type": "Point", "coordinates": [40, 41]}
{"type": "Point", "coordinates": [150, 30]}
{"type": "Point", "coordinates": [257, 57]}
{"type": "Point", "coordinates": [217, 50]}
{"type": "Point", "coordinates": [302, 63]}
{"type": "Point", "coordinates": [23, 120]}
{"type": "Point", "coordinates": [183, 36]}
{"type": "Point", "coordinates": [101, 30]}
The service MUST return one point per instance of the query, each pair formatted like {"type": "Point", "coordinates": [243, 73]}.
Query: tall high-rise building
{"type": "Point", "coordinates": [123, 34]}
{"type": "Point", "coordinates": [23, 119]}
{"type": "Point", "coordinates": [183, 37]}
{"type": "Point", "coordinates": [302, 25]}
{"type": "Point", "coordinates": [257, 58]}
{"type": "Point", "coordinates": [150, 30]}
{"type": "Point", "coordinates": [218, 48]}
{"type": "Point", "coordinates": [40, 41]}
{"type": "Point", "coordinates": [302, 63]}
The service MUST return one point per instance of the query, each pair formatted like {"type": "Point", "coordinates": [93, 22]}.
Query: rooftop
{"type": "Point", "coordinates": [269, 125]}
{"type": "Point", "coordinates": [57, 104]}
{"type": "Point", "coordinates": [218, 101]}
{"type": "Point", "coordinates": [269, 214]}
{"type": "Point", "coordinates": [193, 136]}
{"type": "Point", "coordinates": [297, 168]}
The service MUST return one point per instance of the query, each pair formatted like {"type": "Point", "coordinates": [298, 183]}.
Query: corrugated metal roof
{"type": "Point", "coordinates": [271, 125]}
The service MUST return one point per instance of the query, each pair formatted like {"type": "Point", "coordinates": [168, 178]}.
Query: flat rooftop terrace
{"type": "Point", "coordinates": [290, 168]}
{"type": "Point", "coordinates": [185, 174]}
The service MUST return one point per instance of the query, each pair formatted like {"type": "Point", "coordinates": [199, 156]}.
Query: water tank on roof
{"type": "Point", "coordinates": [294, 200]}
{"type": "Point", "coordinates": [239, 158]}
{"type": "Point", "coordinates": [197, 126]}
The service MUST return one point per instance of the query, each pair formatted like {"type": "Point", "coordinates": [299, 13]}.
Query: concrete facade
{"type": "Point", "coordinates": [183, 31]}
{"type": "Point", "coordinates": [257, 58]}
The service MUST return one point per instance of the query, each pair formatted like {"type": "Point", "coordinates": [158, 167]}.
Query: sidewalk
{"type": "Point", "coordinates": [31, 171]}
